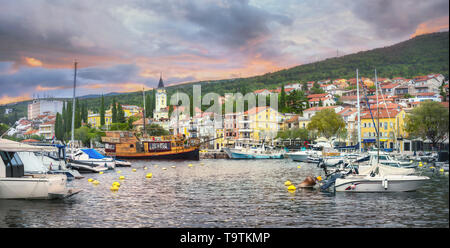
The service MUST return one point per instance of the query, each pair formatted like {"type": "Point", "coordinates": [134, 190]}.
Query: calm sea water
{"type": "Point", "coordinates": [227, 193]}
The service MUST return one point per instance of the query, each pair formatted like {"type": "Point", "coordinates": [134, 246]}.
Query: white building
{"type": "Point", "coordinates": [38, 107]}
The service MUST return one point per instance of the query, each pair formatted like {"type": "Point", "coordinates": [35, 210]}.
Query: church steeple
{"type": "Point", "coordinates": [160, 84]}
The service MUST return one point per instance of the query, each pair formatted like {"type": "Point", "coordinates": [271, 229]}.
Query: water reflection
{"type": "Point", "coordinates": [226, 193]}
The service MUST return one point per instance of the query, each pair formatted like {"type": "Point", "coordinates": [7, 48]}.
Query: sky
{"type": "Point", "coordinates": [123, 46]}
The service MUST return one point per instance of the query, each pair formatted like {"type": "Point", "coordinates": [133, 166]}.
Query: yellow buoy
{"type": "Point", "coordinates": [149, 175]}
{"type": "Point", "coordinates": [173, 166]}
{"type": "Point", "coordinates": [441, 170]}
{"type": "Point", "coordinates": [116, 184]}
{"type": "Point", "coordinates": [190, 165]}
{"type": "Point", "coordinates": [133, 170]}
{"type": "Point", "coordinates": [95, 182]}
{"type": "Point", "coordinates": [164, 168]}
{"type": "Point", "coordinates": [420, 165]}
{"type": "Point", "coordinates": [121, 177]}
{"type": "Point", "coordinates": [287, 183]}
{"type": "Point", "coordinates": [119, 171]}
{"type": "Point", "coordinates": [145, 168]}
{"type": "Point", "coordinates": [101, 172]}
{"type": "Point", "coordinates": [114, 188]}
{"type": "Point", "coordinates": [431, 167]}
{"type": "Point", "coordinates": [299, 167]}
{"type": "Point", "coordinates": [319, 178]}
{"type": "Point", "coordinates": [90, 180]}
{"type": "Point", "coordinates": [425, 163]}
{"type": "Point", "coordinates": [291, 188]}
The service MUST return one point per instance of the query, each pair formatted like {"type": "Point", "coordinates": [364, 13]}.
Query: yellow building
{"type": "Point", "coordinates": [260, 123]}
{"type": "Point", "coordinates": [130, 110]}
{"type": "Point", "coordinates": [219, 142]}
{"type": "Point", "coordinates": [94, 119]}
{"type": "Point", "coordinates": [392, 123]}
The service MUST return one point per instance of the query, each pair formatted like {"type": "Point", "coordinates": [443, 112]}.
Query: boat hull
{"type": "Point", "coordinates": [242, 155]}
{"type": "Point", "coordinates": [299, 157]}
{"type": "Point", "coordinates": [191, 154]}
{"type": "Point", "coordinates": [378, 184]}
{"type": "Point", "coordinates": [33, 187]}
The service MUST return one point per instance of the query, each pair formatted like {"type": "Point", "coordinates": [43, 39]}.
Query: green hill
{"type": "Point", "coordinates": [418, 56]}
{"type": "Point", "coordinates": [421, 55]}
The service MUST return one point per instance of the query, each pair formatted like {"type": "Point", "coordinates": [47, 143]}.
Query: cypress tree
{"type": "Point", "coordinates": [102, 112]}
{"type": "Point", "coordinates": [68, 124]}
{"type": "Point", "coordinates": [64, 116]}
{"type": "Point", "coordinates": [83, 113]}
{"type": "Point", "coordinates": [59, 128]}
{"type": "Point", "coordinates": [77, 114]}
{"type": "Point", "coordinates": [114, 111]}
{"type": "Point", "coordinates": [148, 105]}
{"type": "Point", "coordinates": [120, 114]}
{"type": "Point", "coordinates": [282, 99]}
{"type": "Point", "coordinates": [153, 101]}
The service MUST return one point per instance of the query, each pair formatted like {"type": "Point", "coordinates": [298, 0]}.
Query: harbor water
{"type": "Point", "coordinates": [227, 193]}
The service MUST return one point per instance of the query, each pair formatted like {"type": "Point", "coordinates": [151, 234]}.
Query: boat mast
{"type": "Point", "coordinates": [359, 112]}
{"type": "Point", "coordinates": [73, 104]}
{"type": "Point", "coordinates": [144, 113]}
{"type": "Point", "coordinates": [378, 118]}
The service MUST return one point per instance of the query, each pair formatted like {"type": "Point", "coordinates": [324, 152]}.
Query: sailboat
{"type": "Point", "coordinates": [378, 178]}
{"type": "Point", "coordinates": [85, 160]}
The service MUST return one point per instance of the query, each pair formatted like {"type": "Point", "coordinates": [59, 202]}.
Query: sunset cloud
{"type": "Point", "coordinates": [431, 26]}
{"type": "Point", "coordinates": [121, 45]}
{"type": "Point", "coordinates": [33, 61]}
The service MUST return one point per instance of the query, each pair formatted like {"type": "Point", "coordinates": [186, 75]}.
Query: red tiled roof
{"type": "Point", "coordinates": [389, 86]}
{"type": "Point", "coordinates": [317, 99]}
{"type": "Point", "coordinates": [48, 123]}
{"type": "Point", "coordinates": [318, 95]}
{"type": "Point", "coordinates": [260, 91]}
{"type": "Point", "coordinates": [29, 140]}
{"type": "Point", "coordinates": [255, 110]}
{"type": "Point", "coordinates": [32, 131]}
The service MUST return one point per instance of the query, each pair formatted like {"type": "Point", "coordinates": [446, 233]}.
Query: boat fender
{"type": "Point", "coordinates": [385, 183]}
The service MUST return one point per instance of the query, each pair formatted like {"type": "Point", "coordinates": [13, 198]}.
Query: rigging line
{"type": "Point", "coordinates": [368, 104]}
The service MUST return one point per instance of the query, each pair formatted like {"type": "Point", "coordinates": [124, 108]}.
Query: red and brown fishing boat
{"type": "Point", "coordinates": [125, 144]}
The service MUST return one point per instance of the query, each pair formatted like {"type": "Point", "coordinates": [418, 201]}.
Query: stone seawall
{"type": "Point", "coordinates": [213, 155]}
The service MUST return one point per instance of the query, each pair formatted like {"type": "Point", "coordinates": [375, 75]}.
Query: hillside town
{"type": "Point", "coordinates": [398, 96]}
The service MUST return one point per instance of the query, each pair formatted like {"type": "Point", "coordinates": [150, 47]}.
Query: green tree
{"type": "Point", "coordinates": [316, 89]}
{"type": "Point", "coordinates": [120, 114]}
{"type": "Point", "coordinates": [77, 114]}
{"type": "Point", "coordinates": [114, 111]}
{"type": "Point", "coordinates": [148, 106]}
{"type": "Point", "coordinates": [428, 121]}
{"type": "Point", "coordinates": [102, 112]}
{"type": "Point", "coordinates": [59, 128]}
{"type": "Point", "coordinates": [156, 130]}
{"type": "Point", "coordinates": [296, 102]}
{"type": "Point", "coordinates": [326, 123]}
{"type": "Point", "coordinates": [282, 104]}
{"type": "Point", "coordinates": [3, 128]}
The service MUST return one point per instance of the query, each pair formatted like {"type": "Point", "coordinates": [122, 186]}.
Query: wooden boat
{"type": "Point", "coordinates": [125, 144]}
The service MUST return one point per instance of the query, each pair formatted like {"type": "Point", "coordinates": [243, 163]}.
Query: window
{"type": "Point", "coordinates": [14, 166]}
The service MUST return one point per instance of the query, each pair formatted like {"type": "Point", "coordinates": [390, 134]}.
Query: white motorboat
{"type": "Point", "coordinates": [300, 156]}
{"type": "Point", "coordinates": [379, 179]}
{"type": "Point", "coordinates": [91, 157]}
{"type": "Point", "coordinates": [26, 179]}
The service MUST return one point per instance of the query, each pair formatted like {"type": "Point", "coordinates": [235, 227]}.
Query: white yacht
{"type": "Point", "coordinates": [379, 178]}
{"type": "Point", "coordinates": [23, 176]}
